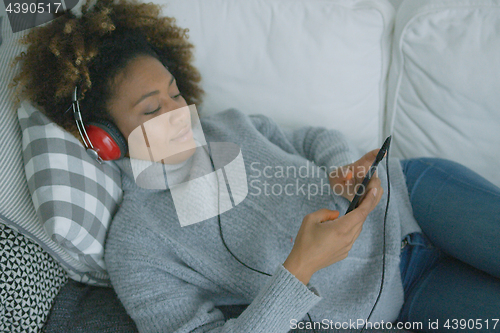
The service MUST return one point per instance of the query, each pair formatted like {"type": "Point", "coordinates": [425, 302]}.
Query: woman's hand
{"type": "Point", "coordinates": [324, 239]}
{"type": "Point", "coordinates": [345, 179]}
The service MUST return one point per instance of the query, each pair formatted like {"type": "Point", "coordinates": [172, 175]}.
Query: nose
{"type": "Point", "coordinates": [175, 114]}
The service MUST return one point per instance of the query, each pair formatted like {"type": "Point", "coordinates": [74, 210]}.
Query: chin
{"type": "Point", "coordinates": [185, 151]}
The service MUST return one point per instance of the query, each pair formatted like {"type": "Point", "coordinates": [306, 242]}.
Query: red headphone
{"type": "Point", "coordinates": [102, 139]}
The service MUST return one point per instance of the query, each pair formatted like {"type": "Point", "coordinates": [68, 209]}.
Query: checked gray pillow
{"type": "Point", "coordinates": [74, 196]}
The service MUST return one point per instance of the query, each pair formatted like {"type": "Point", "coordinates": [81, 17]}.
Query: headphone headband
{"type": "Point", "coordinates": [81, 128]}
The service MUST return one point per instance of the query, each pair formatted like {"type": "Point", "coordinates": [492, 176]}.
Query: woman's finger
{"type": "Point", "coordinates": [369, 157]}
{"type": "Point", "coordinates": [369, 202]}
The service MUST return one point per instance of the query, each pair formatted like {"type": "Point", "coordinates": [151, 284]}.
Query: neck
{"type": "Point", "coordinates": [158, 176]}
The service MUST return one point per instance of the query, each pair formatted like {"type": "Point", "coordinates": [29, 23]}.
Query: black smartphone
{"type": "Point", "coordinates": [361, 189]}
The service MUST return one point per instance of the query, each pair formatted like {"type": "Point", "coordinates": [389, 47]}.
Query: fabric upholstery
{"type": "Point", "coordinates": [29, 281]}
{"type": "Point", "coordinates": [16, 206]}
{"type": "Point", "coordinates": [74, 196]}
{"type": "Point", "coordinates": [443, 84]}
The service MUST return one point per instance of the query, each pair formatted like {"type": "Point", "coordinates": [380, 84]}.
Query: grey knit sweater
{"type": "Point", "coordinates": [169, 278]}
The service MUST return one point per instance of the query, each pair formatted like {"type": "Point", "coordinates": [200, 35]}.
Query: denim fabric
{"type": "Point", "coordinates": [451, 271]}
{"type": "Point", "coordinates": [418, 257]}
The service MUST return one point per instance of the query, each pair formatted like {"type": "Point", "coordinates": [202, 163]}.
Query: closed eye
{"type": "Point", "coordinates": [152, 112]}
{"type": "Point", "coordinates": [179, 95]}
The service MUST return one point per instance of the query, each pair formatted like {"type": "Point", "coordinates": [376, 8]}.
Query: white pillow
{"type": "Point", "coordinates": [316, 62]}
{"type": "Point", "coordinates": [444, 83]}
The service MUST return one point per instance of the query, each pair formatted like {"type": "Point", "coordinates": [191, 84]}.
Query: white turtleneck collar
{"type": "Point", "coordinates": [159, 176]}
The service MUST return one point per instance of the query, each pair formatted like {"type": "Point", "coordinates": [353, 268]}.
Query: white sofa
{"type": "Point", "coordinates": [425, 71]}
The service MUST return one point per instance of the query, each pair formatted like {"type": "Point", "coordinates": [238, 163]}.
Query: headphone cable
{"type": "Point", "coordinates": [258, 271]}
{"type": "Point", "coordinates": [383, 248]}
{"type": "Point", "coordinates": [220, 228]}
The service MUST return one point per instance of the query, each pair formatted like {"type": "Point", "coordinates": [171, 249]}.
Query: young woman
{"type": "Point", "coordinates": [285, 253]}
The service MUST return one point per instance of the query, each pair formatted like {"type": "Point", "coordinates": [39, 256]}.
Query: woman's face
{"type": "Point", "coordinates": [145, 89]}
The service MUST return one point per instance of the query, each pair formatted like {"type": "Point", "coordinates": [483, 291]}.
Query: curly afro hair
{"type": "Point", "coordinates": [88, 51]}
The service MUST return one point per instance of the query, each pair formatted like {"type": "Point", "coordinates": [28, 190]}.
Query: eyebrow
{"type": "Point", "coordinates": [155, 92]}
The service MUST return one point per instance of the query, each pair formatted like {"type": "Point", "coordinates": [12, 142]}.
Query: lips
{"type": "Point", "coordinates": [184, 134]}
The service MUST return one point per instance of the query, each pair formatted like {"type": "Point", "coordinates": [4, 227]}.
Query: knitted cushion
{"type": "Point", "coordinates": [16, 205]}
{"type": "Point", "coordinates": [29, 277]}
{"type": "Point", "coordinates": [29, 281]}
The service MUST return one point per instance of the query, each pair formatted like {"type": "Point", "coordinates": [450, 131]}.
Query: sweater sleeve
{"type": "Point", "coordinates": [325, 147]}
{"type": "Point", "coordinates": [162, 294]}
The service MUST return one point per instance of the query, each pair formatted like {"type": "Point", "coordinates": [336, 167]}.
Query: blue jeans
{"type": "Point", "coordinates": [451, 271]}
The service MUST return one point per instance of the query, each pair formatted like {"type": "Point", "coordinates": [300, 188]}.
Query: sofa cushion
{"type": "Point", "coordinates": [443, 95]}
{"type": "Point", "coordinates": [29, 277]}
{"type": "Point", "coordinates": [82, 308]}
{"type": "Point", "coordinates": [29, 282]}
{"type": "Point", "coordinates": [320, 63]}
{"type": "Point", "coordinates": [16, 206]}
{"type": "Point", "coordinates": [77, 302]}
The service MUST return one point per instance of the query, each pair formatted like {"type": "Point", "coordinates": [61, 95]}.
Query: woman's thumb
{"type": "Point", "coordinates": [329, 215]}
{"type": "Point", "coordinates": [341, 174]}
{"type": "Point", "coordinates": [369, 201]}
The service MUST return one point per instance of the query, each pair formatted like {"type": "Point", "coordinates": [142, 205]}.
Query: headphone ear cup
{"type": "Point", "coordinates": [107, 139]}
